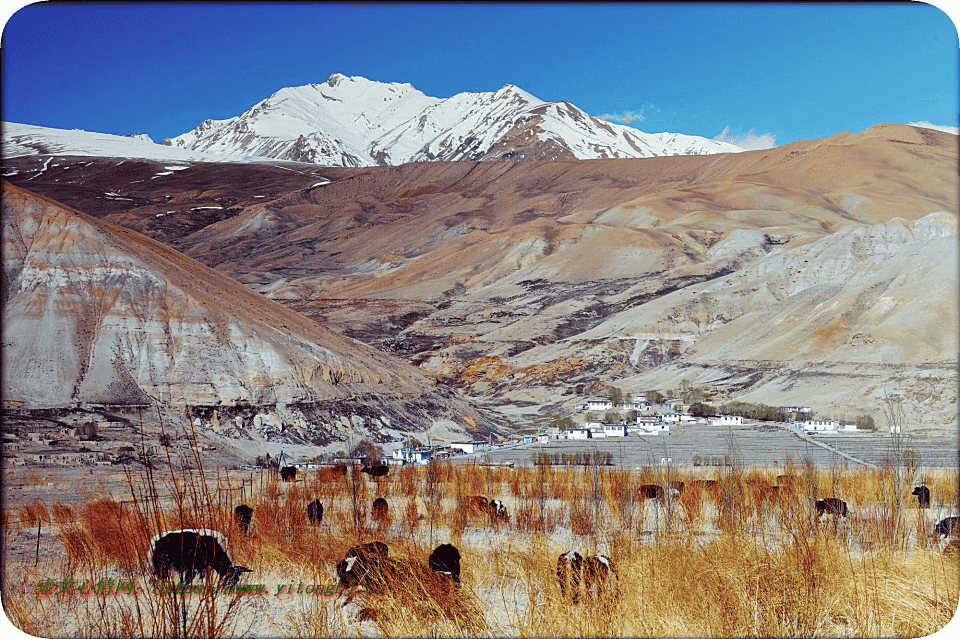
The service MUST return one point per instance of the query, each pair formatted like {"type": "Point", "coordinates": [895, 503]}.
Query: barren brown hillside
{"type": "Point", "coordinates": [98, 314]}
{"type": "Point", "coordinates": [819, 273]}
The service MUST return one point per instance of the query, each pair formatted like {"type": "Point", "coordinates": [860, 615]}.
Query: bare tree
{"type": "Point", "coordinates": [904, 464]}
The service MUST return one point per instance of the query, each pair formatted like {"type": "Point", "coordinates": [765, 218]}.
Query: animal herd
{"type": "Point", "coordinates": [192, 552]}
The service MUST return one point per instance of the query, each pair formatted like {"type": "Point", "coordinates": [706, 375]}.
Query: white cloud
{"type": "Point", "coordinates": [749, 140]}
{"type": "Point", "coordinates": [937, 127]}
{"type": "Point", "coordinates": [623, 118]}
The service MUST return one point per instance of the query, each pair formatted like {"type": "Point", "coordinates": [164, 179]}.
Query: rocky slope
{"type": "Point", "coordinates": [821, 273]}
{"type": "Point", "coordinates": [352, 121]}
{"type": "Point", "coordinates": [99, 315]}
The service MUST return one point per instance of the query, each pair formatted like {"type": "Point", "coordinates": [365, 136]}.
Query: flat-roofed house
{"type": "Point", "coordinates": [599, 403]}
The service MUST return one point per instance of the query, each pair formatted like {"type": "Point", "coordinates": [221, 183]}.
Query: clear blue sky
{"type": "Point", "coordinates": [787, 71]}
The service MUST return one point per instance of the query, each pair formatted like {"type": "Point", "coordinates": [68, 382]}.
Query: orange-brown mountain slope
{"type": "Point", "coordinates": [98, 314]}
{"type": "Point", "coordinates": [819, 273]}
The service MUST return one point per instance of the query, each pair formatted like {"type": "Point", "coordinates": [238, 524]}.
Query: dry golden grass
{"type": "Point", "coordinates": [730, 561]}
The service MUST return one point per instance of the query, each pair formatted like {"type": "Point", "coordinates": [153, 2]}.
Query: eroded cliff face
{"type": "Point", "coordinates": [99, 314]}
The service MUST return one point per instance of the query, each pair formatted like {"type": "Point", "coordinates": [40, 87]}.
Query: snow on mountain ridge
{"type": "Point", "coordinates": [353, 121]}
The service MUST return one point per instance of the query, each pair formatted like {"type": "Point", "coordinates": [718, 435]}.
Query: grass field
{"type": "Point", "coordinates": [735, 560]}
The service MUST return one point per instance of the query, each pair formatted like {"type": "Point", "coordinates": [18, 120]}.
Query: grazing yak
{"type": "Point", "coordinates": [362, 564]}
{"type": "Point", "coordinates": [243, 515]}
{"type": "Point", "coordinates": [947, 527]}
{"type": "Point", "coordinates": [596, 571]}
{"type": "Point", "coordinates": [497, 511]}
{"type": "Point", "coordinates": [430, 590]}
{"type": "Point", "coordinates": [376, 471]}
{"type": "Point", "coordinates": [831, 506]}
{"type": "Point", "coordinates": [370, 565]}
{"type": "Point", "coordinates": [445, 560]}
{"type": "Point", "coordinates": [569, 572]}
{"type": "Point", "coordinates": [315, 511]}
{"type": "Point", "coordinates": [495, 508]}
{"type": "Point", "coordinates": [706, 485]}
{"type": "Point", "coordinates": [593, 572]}
{"type": "Point", "coordinates": [191, 552]}
{"type": "Point", "coordinates": [477, 504]}
{"type": "Point", "coordinates": [288, 473]}
{"type": "Point", "coordinates": [923, 496]}
{"type": "Point", "coordinates": [651, 491]}
{"type": "Point", "coordinates": [380, 509]}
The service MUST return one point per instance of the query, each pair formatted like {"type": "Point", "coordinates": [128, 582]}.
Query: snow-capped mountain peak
{"type": "Point", "coordinates": [354, 121]}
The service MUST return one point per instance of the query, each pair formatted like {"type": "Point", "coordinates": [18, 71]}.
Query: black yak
{"type": "Point", "coordinates": [315, 511]}
{"type": "Point", "coordinates": [192, 552]}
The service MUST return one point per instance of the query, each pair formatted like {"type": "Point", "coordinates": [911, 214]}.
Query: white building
{"type": "Point", "coordinates": [578, 433]}
{"type": "Point", "coordinates": [652, 428]}
{"type": "Point", "coordinates": [636, 404]}
{"type": "Point", "coordinates": [797, 409]}
{"type": "Point", "coordinates": [728, 420]}
{"type": "Point", "coordinates": [615, 430]}
{"type": "Point", "coordinates": [470, 447]}
{"type": "Point", "coordinates": [420, 455]}
{"type": "Point", "coordinates": [821, 425]}
{"type": "Point", "coordinates": [599, 403]}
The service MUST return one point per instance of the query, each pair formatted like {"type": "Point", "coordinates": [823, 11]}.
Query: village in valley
{"type": "Point", "coordinates": [614, 418]}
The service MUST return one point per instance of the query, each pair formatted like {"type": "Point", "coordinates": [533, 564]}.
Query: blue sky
{"type": "Point", "coordinates": [784, 72]}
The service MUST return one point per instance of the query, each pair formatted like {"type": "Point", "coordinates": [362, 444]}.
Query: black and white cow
{"type": "Point", "coordinates": [243, 515]}
{"type": "Point", "coordinates": [569, 572]}
{"type": "Point", "coordinates": [923, 496]}
{"type": "Point", "coordinates": [593, 573]}
{"type": "Point", "coordinates": [191, 552]}
{"type": "Point", "coordinates": [445, 560]}
{"type": "Point", "coordinates": [597, 571]}
{"type": "Point", "coordinates": [315, 511]}
{"type": "Point", "coordinates": [947, 527]}
{"type": "Point", "coordinates": [497, 510]}
{"type": "Point", "coordinates": [364, 564]}
{"type": "Point", "coordinates": [831, 506]}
